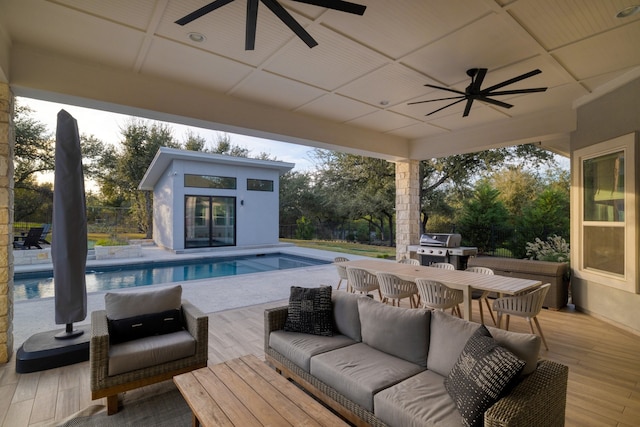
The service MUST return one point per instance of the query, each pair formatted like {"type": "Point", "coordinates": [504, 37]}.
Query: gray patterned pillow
{"type": "Point", "coordinates": [310, 311]}
{"type": "Point", "coordinates": [483, 371]}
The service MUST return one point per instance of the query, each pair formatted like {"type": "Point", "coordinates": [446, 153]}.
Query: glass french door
{"type": "Point", "coordinates": [210, 221]}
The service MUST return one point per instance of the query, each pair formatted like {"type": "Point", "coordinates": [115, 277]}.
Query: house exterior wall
{"type": "Point", "coordinates": [257, 212]}
{"type": "Point", "coordinates": [612, 115]}
{"type": "Point", "coordinates": [163, 212]}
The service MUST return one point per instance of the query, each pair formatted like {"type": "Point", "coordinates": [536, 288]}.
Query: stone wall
{"type": "Point", "coordinates": [6, 222]}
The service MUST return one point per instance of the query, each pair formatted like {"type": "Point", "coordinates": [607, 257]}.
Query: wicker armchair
{"type": "Point", "coordinates": [482, 295]}
{"type": "Point", "coordinates": [527, 305]}
{"type": "Point", "coordinates": [394, 288]}
{"type": "Point", "coordinates": [409, 261]}
{"type": "Point", "coordinates": [362, 281]}
{"type": "Point", "coordinates": [104, 385]}
{"type": "Point", "coordinates": [436, 296]}
{"type": "Point", "coordinates": [342, 271]}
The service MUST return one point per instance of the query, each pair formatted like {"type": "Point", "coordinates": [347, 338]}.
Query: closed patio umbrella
{"type": "Point", "coordinates": [69, 230]}
{"type": "Point", "coordinates": [52, 349]}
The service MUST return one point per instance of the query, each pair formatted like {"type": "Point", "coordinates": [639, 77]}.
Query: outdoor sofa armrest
{"type": "Point", "coordinates": [538, 400]}
{"type": "Point", "coordinates": [197, 323]}
{"type": "Point", "coordinates": [99, 347]}
{"type": "Point", "coordinates": [274, 319]}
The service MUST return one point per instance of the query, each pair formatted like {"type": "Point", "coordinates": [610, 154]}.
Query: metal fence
{"type": "Point", "coordinates": [497, 240]}
{"type": "Point", "coordinates": [100, 219]}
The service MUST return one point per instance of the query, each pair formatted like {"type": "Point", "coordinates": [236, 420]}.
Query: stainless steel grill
{"type": "Point", "coordinates": [444, 247]}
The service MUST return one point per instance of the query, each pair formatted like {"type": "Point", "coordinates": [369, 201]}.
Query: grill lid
{"type": "Point", "coordinates": [444, 240]}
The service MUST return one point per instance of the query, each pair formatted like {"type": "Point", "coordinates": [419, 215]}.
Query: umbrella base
{"type": "Point", "coordinates": [43, 351]}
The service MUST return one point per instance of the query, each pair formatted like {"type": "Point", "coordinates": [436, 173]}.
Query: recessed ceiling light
{"type": "Point", "coordinates": [196, 37]}
{"type": "Point", "coordinates": [384, 102]}
{"type": "Point", "coordinates": [628, 11]}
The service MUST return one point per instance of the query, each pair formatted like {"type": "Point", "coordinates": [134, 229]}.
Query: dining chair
{"type": "Point", "coordinates": [436, 296]}
{"type": "Point", "coordinates": [362, 281]}
{"type": "Point", "coordinates": [527, 305]}
{"type": "Point", "coordinates": [443, 265]}
{"type": "Point", "coordinates": [395, 289]}
{"type": "Point", "coordinates": [409, 261]}
{"type": "Point", "coordinates": [482, 295]}
{"type": "Point", "coordinates": [342, 270]}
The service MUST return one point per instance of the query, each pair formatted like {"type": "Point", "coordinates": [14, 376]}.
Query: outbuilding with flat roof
{"type": "Point", "coordinates": [204, 200]}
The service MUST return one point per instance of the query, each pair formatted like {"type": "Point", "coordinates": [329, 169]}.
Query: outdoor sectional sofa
{"type": "Point", "coordinates": [393, 366]}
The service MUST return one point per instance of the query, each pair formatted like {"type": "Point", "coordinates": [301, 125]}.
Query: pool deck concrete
{"type": "Point", "coordinates": [210, 295]}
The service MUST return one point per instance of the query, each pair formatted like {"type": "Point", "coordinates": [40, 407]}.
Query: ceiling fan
{"type": "Point", "coordinates": [279, 11]}
{"type": "Point", "coordinates": [473, 91]}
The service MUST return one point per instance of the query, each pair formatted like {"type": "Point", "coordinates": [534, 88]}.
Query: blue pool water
{"type": "Point", "coordinates": [40, 284]}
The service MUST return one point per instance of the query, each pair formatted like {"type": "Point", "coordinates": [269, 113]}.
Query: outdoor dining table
{"type": "Point", "coordinates": [466, 281]}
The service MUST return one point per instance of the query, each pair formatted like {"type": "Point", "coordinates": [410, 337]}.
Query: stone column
{"type": "Point", "coordinates": [407, 206]}
{"type": "Point", "coordinates": [6, 222]}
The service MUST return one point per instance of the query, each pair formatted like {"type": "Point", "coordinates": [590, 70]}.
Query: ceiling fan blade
{"type": "Point", "coordinates": [342, 6]}
{"type": "Point", "coordinates": [438, 99]}
{"type": "Point", "coordinates": [202, 11]}
{"type": "Point", "coordinates": [478, 79]}
{"type": "Point", "coordinates": [252, 22]}
{"type": "Point", "coordinates": [285, 17]}
{"type": "Point", "coordinates": [446, 106]}
{"type": "Point", "coordinates": [447, 89]}
{"type": "Point", "coordinates": [467, 108]}
{"type": "Point", "coordinates": [494, 102]}
{"type": "Point", "coordinates": [516, 91]}
{"type": "Point", "coordinates": [511, 81]}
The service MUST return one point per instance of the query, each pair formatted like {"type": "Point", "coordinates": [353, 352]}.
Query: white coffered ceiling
{"type": "Point", "coordinates": [351, 91]}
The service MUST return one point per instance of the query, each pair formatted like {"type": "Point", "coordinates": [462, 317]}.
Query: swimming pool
{"type": "Point", "coordinates": [40, 284]}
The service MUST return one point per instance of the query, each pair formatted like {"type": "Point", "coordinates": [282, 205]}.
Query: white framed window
{"type": "Point", "coordinates": [604, 224]}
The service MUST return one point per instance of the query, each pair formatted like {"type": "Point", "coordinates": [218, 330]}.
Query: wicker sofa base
{"type": "Point", "coordinates": [538, 400]}
{"type": "Point", "coordinates": [352, 412]}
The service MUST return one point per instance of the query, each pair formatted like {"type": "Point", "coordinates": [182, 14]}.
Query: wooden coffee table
{"type": "Point", "coordinates": [247, 392]}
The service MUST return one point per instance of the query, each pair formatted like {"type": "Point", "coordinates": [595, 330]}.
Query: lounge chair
{"type": "Point", "coordinates": [45, 231]}
{"type": "Point", "coordinates": [32, 239]}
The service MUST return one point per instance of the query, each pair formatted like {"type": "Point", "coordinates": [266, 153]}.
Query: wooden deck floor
{"type": "Point", "coordinates": [604, 369]}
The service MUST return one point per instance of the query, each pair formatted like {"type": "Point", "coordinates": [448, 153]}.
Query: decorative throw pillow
{"type": "Point", "coordinates": [310, 311]}
{"type": "Point", "coordinates": [483, 371]}
{"type": "Point", "coordinates": [146, 325]}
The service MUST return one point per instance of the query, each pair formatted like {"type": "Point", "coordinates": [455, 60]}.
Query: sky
{"type": "Point", "coordinates": [106, 127]}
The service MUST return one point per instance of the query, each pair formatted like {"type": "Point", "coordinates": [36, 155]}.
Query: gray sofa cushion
{"type": "Point", "coordinates": [150, 351]}
{"type": "Point", "coordinates": [483, 371]}
{"type": "Point", "coordinates": [299, 347]}
{"type": "Point", "coordinates": [345, 314]}
{"type": "Point", "coordinates": [402, 332]}
{"type": "Point", "coordinates": [525, 346]}
{"type": "Point", "coordinates": [449, 335]}
{"type": "Point", "coordinates": [421, 400]}
{"type": "Point", "coordinates": [359, 371]}
{"type": "Point", "coordinates": [121, 305]}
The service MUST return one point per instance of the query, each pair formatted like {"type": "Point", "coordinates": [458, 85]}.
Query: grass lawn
{"type": "Point", "coordinates": [346, 247]}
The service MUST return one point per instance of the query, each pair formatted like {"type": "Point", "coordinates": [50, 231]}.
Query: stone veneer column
{"type": "Point", "coordinates": [407, 206]}
{"type": "Point", "coordinates": [6, 222]}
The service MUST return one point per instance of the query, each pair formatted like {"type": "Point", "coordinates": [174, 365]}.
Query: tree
{"type": "Point", "coordinates": [517, 187]}
{"type": "Point", "coordinates": [482, 212]}
{"type": "Point", "coordinates": [357, 187]}
{"type": "Point", "coordinates": [224, 146]}
{"type": "Point", "coordinates": [195, 142]}
{"type": "Point", "coordinates": [124, 168]}
{"type": "Point", "coordinates": [456, 173]}
{"type": "Point", "coordinates": [34, 156]}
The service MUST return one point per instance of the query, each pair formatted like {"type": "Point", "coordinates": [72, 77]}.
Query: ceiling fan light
{"type": "Point", "coordinates": [628, 11]}
{"type": "Point", "coordinates": [196, 37]}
